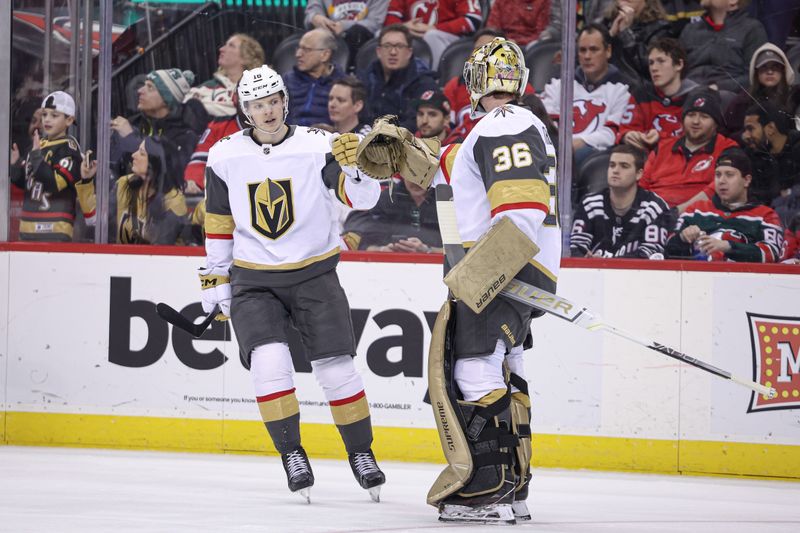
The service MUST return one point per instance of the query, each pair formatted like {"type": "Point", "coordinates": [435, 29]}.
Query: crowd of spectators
{"type": "Point", "coordinates": [692, 103]}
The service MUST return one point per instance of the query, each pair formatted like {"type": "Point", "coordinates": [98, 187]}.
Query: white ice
{"type": "Point", "coordinates": [57, 490]}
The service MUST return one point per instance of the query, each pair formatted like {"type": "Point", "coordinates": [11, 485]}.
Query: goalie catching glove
{"type": "Point", "coordinates": [390, 149]}
{"type": "Point", "coordinates": [216, 291]}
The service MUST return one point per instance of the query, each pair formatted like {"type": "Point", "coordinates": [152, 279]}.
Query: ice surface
{"type": "Point", "coordinates": [64, 490]}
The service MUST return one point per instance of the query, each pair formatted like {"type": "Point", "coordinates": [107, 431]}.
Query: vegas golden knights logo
{"type": "Point", "coordinates": [271, 208]}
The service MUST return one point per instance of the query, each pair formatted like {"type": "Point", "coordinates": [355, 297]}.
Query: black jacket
{"type": "Point", "coordinates": [394, 97]}
{"type": "Point", "coordinates": [723, 56]}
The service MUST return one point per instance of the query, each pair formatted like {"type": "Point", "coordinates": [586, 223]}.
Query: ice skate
{"type": "Point", "coordinates": [298, 472]}
{"type": "Point", "coordinates": [367, 473]}
{"type": "Point", "coordinates": [521, 511]}
{"type": "Point", "coordinates": [496, 513]}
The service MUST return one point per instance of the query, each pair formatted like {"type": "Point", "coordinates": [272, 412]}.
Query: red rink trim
{"type": "Point", "coordinates": [521, 205]}
{"type": "Point", "coordinates": [274, 395]}
{"type": "Point", "coordinates": [36, 215]}
{"type": "Point", "coordinates": [224, 236]}
{"type": "Point", "coordinates": [386, 257]}
{"type": "Point", "coordinates": [345, 401]}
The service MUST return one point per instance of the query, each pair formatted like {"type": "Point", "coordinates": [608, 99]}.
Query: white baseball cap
{"type": "Point", "coordinates": [61, 102]}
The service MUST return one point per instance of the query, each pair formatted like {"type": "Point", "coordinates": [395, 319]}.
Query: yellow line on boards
{"type": "Point", "coordinates": [398, 444]}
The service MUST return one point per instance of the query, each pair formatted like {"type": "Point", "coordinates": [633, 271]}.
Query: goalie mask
{"type": "Point", "coordinates": [259, 83]}
{"type": "Point", "coordinates": [498, 66]}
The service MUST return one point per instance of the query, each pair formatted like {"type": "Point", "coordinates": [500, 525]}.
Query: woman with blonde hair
{"type": "Point", "coordinates": [633, 24]}
{"type": "Point", "coordinates": [239, 53]}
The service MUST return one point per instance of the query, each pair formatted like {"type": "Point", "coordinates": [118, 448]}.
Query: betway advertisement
{"type": "Point", "coordinates": [80, 334]}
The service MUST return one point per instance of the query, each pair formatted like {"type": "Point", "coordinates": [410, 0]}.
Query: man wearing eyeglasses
{"type": "Point", "coordinates": [310, 80]}
{"type": "Point", "coordinates": [396, 77]}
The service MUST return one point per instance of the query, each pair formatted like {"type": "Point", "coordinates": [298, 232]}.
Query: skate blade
{"type": "Point", "coordinates": [521, 511]}
{"type": "Point", "coordinates": [305, 494]}
{"type": "Point", "coordinates": [501, 514]}
{"type": "Point", "coordinates": [375, 494]}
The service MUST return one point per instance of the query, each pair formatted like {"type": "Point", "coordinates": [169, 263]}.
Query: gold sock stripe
{"type": "Point", "coordinates": [274, 408]}
{"type": "Point", "coordinates": [350, 410]}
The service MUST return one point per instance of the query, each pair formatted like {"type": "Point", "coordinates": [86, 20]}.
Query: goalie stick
{"type": "Point", "coordinates": [179, 321]}
{"type": "Point", "coordinates": [561, 307]}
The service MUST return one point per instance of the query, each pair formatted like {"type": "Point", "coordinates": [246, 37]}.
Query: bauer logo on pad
{"type": "Point", "coordinates": [775, 341]}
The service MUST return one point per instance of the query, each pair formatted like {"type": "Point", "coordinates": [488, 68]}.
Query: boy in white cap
{"type": "Point", "coordinates": [49, 176]}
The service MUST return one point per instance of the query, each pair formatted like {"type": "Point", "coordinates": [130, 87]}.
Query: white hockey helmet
{"type": "Point", "coordinates": [260, 82]}
{"type": "Point", "coordinates": [497, 66]}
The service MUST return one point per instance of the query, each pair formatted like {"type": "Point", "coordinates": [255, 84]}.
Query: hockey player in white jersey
{"type": "Point", "coordinates": [505, 169]}
{"type": "Point", "coordinates": [272, 252]}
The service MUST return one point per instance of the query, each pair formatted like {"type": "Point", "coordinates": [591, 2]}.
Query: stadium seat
{"type": "Point", "coordinates": [592, 176]}
{"type": "Point", "coordinates": [283, 58]}
{"type": "Point", "coordinates": [451, 64]}
{"type": "Point", "coordinates": [366, 53]}
{"type": "Point", "coordinates": [539, 59]}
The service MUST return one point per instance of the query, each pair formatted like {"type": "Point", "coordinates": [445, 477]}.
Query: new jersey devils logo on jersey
{"type": "Point", "coordinates": [664, 122]}
{"type": "Point", "coordinates": [427, 10]}
{"type": "Point", "coordinates": [271, 207]}
{"type": "Point", "coordinates": [586, 115]}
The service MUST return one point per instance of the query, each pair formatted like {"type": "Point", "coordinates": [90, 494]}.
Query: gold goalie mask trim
{"type": "Point", "coordinates": [498, 66]}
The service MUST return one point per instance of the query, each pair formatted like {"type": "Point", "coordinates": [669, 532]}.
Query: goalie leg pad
{"type": "Point", "coordinates": [476, 437]}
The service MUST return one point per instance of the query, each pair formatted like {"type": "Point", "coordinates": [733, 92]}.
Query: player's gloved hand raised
{"type": "Point", "coordinates": [345, 149]}
{"type": "Point", "coordinates": [216, 290]}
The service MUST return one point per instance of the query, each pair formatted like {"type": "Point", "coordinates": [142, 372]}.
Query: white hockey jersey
{"type": "Point", "coordinates": [506, 167]}
{"type": "Point", "coordinates": [268, 207]}
{"type": "Point", "coordinates": [597, 110]}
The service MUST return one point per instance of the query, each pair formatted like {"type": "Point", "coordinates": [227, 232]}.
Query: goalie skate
{"type": "Point", "coordinates": [498, 513]}
{"type": "Point", "coordinates": [298, 472]}
{"type": "Point", "coordinates": [521, 511]}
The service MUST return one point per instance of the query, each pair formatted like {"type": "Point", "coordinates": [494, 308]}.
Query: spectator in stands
{"type": "Point", "coordinates": [771, 80]}
{"type": "Point", "coordinates": [355, 21]}
{"type": "Point", "coordinates": [195, 173]}
{"type": "Point", "coordinates": [312, 77]}
{"type": "Point", "coordinates": [727, 226]}
{"type": "Point", "coordinates": [404, 220]}
{"type": "Point", "coordinates": [633, 26]}
{"type": "Point", "coordinates": [160, 113]}
{"type": "Point", "coordinates": [438, 22]}
{"type": "Point", "coordinates": [520, 20]}
{"type": "Point", "coordinates": [721, 44]}
{"type": "Point", "coordinates": [345, 102]}
{"type": "Point", "coordinates": [589, 11]}
{"type": "Point", "coordinates": [433, 115]}
{"type": "Point", "coordinates": [681, 169]}
{"type": "Point", "coordinates": [49, 175]}
{"type": "Point", "coordinates": [151, 208]}
{"type": "Point", "coordinates": [773, 146]}
{"type": "Point", "coordinates": [396, 77]}
{"type": "Point", "coordinates": [622, 220]}
{"type": "Point", "coordinates": [600, 95]}
{"type": "Point", "coordinates": [239, 53]}
{"type": "Point", "coordinates": [655, 108]}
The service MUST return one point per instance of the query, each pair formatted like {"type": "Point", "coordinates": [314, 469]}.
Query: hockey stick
{"type": "Point", "coordinates": [561, 307]}
{"type": "Point", "coordinates": [179, 321]}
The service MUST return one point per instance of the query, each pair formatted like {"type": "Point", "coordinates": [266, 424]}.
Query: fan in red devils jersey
{"type": "Point", "coordinates": [654, 109]}
{"type": "Point", "coordinates": [48, 175]}
{"type": "Point", "coordinates": [728, 227]}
